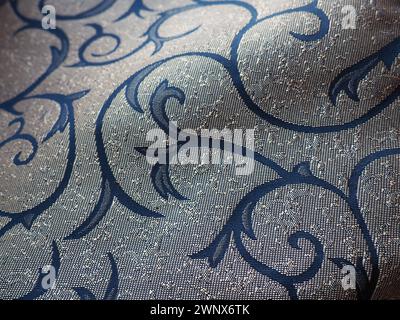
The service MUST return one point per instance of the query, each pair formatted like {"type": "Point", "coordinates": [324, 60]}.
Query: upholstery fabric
{"type": "Point", "coordinates": [76, 190]}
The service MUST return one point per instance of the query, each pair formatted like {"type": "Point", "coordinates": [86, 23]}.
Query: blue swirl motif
{"type": "Point", "coordinates": [240, 222]}
{"type": "Point", "coordinates": [110, 187]}
{"type": "Point", "coordinates": [152, 35]}
{"type": "Point", "coordinates": [349, 79]}
{"type": "Point", "coordinates": [58, 56]}
{"type": "Point", "coordinates": [27, 217]}
{"type": "Point", "coordinates": [84, 293]}
{"type": "Point", "coordinates": [18, 135]}
{"type": "Point", "coordinates": [136, 8]}
{"type": "Point", "coordinates": [112, 287]}
{"type": "Point", "coordinates": [66, 118]}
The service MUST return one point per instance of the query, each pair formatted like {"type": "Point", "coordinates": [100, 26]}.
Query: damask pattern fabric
{"type": "Point", "coordinates": [78, 195]}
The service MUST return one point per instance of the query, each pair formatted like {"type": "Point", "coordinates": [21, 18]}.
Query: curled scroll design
{"type": "Point", "coordinates": [65, 119]}
{"type": "Point", "coordinates": [240, 222]}
{"type": "Point", "coordinates": [110, 187]}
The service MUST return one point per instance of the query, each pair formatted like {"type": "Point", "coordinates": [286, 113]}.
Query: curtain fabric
{"type": "Point", "coordinates": [84, 215]}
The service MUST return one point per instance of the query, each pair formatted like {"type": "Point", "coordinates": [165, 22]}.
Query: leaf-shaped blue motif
{"type": "Point", "coordinates": [162, 182]}
{"type": "Point", "coordinates": [136, 8]}
{"type": "Point", "coordinates": [159, 100]}
{"type": "Point", "coordinates": [349, 79]}
{"type": "Point", "coordinates": [364, 286]}
{"type": "Point", "coordinates": [215, 252]}
{"type": "Point", "coordinates": [64, 118]}
{"type": "Point", "coordinates": [247, 221]}
{"type": "Point", "coordinates": [132, 88]}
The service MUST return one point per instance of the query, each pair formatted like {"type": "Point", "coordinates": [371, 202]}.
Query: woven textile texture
{"type": "Point", "coordinates": [84, 211]}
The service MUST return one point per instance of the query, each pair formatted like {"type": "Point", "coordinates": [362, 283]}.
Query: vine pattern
{"type": "Point", "coordinates": [240, 222]}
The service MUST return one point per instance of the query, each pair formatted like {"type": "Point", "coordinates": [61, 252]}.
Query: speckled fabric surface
{"type": "Point", "coordinates": [318, 81]}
